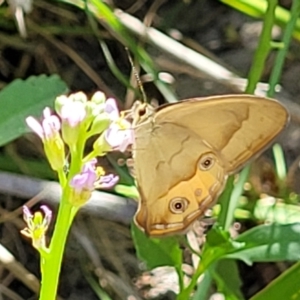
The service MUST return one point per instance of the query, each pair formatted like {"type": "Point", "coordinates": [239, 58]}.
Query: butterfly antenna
{"type": "Point", "coordinates": [137, 77]}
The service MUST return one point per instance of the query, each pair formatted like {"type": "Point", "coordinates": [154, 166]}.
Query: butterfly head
{"type": "Point", "coordinates": [141, 112]}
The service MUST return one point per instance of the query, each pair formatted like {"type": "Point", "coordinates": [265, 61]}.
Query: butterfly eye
{"type": "Point", "coordinates": [178, 205]}
{"type": "Point", "coordinates": [206, 162]}
{"type": "Point", "coordinates": [142, 110]}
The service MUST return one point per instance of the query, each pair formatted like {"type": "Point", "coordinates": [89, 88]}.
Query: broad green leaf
{"type": "Point", "coordinates": [273, 242]}
{"type": "Point", "coordinates": [286, 286]}
{"type": "Point", "coordinates": [226, 276]}
{"type": "Point", "coordinates": [156, 252]}
{"type": "Point", "coordinates": [37, 168]}
{"type": "Point", "coordinates": [23, 98]}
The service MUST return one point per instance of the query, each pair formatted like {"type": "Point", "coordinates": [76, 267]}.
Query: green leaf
{"type": "Point", "coordinates": [224, 201]}
{"type": "Point", "coordinates": [257, 9]}
{"type": "Point", "coordinates": [218, 244]}
{"type": "Point", "coordinates": [217, 236]}
{"type": "Point", "coordinates": [231, 197]}
{"type": "Point", "coordinates": [37, 168]}
{"type": "Point", "coordinates": [254, 8]}
{"type": "Point", "coordinates": [226, 276]}
{"type": "Point", "coordinates": [23, 98]}
{"type": "Point", "coordinates": [286, 286]}
{"type": "Point", "coordinates": [203, 287]}
{"type": "Point", "coordinates": [156, 252]}
{"type": "Point", "coordinates": [274, 242]}
{"type": "Point", "coordinates": [279, 161]}
{"type": "Point", "coordinates": [129, 191]}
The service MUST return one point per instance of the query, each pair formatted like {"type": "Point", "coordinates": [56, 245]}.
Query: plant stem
{"type": "Point", "coordinates": [263, 48]}
{"type": "Point", "coordinates": [281, 55]}
{"type": "Point", "coordinates": [51, 264]}
{"type": "Point", "coordinates": [185, 294]}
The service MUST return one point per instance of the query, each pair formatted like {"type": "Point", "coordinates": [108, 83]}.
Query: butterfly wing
{"type": "Point", "coordinates": [171, 147]}
{"type": "Point", "coordinates": [236, 126]}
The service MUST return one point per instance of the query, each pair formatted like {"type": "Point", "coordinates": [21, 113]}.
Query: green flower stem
{"type": "Point", "coordinates": [186, 293]}
{"type": "Point", "coordinates": [90, 156]}
{"type": "Point", "coordinates": [61, 177]}
{"type": "Point", "coordinates": [51, 263]}
{"type": "Point", "coordinates": [76, 158]}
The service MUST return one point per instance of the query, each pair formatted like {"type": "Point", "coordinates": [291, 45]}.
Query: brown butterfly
{"type": "Point", "coordinates": [184, 152]}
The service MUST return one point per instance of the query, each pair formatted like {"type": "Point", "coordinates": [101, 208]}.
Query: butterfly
{"type": "Point", "coordinates": [185, 151]}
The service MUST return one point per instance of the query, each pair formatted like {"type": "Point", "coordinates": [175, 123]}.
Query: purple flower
{"type": "Point", "coordinates": [107, 181]}
{"type": "Point", "coordinates": [112, 109]}
{"type": "Point", "coordinates": [48, 128]}
{"type": "Point", "coordinates": [49, 131]}
{"type": "Point", "coordinates": [85, 180]}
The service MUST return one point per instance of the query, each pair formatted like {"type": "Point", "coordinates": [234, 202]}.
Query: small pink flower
{"type": "Point", "coordinates": [118, 138]}
{"type": "Point", "coordinates": [119, 135]}
{"type": "Point", "coordinates": [48, 128]}
{"type": "Point", "coordinates": [112, 109]}
{"type": "Point", "coordinates": [49, 131]}
{"type": "Point", "coordinates": [85, 180]}
{"type": "Point", "coordinates": [73, 113]}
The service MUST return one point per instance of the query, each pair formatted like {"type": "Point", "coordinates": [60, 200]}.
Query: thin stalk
{"type": "Point", "coordinates": [263, 48]}
{"type": "Point", "coordinates": [281, 55]}
{"type": "Point", "coordinates": [51, 264]}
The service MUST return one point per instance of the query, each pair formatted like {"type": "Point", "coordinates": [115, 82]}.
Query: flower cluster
{"type": "Point", "coordinates": [64, 135]}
